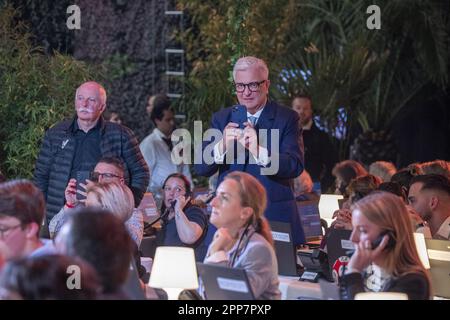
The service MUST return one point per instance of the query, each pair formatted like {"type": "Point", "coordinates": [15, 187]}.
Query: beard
{"type": "Point", "coordinates": [426, 216]}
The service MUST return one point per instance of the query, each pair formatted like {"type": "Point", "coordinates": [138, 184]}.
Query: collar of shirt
{"type": "Point", "coordinates": [76, 127]}
{"type": "Point", "coordinates": [444, 229]}
{"type": "Point", "coordinates": [257, 114]}
{"type": "Point", "coordinates": [160, 134]}
{"type": "Point", "coordinates": [308, 125]}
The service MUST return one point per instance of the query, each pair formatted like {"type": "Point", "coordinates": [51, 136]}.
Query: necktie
{"type": "Point", "coordinates": [168, 141]}
{"type": "Point", "coordinates": [252, 120]}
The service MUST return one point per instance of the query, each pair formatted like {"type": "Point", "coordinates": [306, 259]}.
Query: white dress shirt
{"type": "Point", "coordinates": [158, 157]}
{"type": "Point", "coordinates": [444, 230]}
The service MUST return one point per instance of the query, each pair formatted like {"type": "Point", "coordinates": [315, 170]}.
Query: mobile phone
{"type": "Point", "coordinates": [391, 241]}
{"type": "Point", "coordinates": [81, 178]}
{"type": "Point", "coordinates": [239, 115]}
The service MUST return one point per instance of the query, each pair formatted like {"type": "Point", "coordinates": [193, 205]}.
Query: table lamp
{"type": "Point", "coordinates": [381, 296]}
{"type": "Point", "coordinates": [328, 204]}
{"type": "Point", "coordinates": [174, 270]}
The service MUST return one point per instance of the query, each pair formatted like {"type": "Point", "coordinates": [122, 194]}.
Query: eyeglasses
{"type": "Point", "coordinates": [252, 86]}
{"type": "Point", "coordinates": [4, 230]}
{"type": "Point", "coordinates": [176, 189]}
{"type": "Point", "coordinates": [94, 176]}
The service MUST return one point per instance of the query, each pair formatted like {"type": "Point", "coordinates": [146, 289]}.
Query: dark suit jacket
{"type": "Point", "coordinates": [320, 156]}
{"type": "Point", "coordinates": [281, 202]}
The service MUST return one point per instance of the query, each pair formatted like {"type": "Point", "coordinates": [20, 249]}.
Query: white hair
{"type": "Point", "coordinates": [100, 88]}
{"type": "Point", "coordinates": [246, 62]}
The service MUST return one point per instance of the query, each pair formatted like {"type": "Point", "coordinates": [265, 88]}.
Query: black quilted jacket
{"type": "Point", "coordinates": [54, 163]}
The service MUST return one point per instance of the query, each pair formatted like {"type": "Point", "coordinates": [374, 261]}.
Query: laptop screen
{"type": "Point", "coordinates": [284, 248]}
{"type": "Point", "coordinates": [439, 256]}
{"type": "Point", "coordinates": [310, 218]}
{"type": "Point", "coordinates": [338, 246]}
{"type": "Point", "coordinates": [224, 283]}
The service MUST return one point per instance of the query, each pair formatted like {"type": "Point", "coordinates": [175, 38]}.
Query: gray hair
{"type": "Point", "coordinates": [101, 90]}
{"type": "Point", "coordinates": [245, 62]}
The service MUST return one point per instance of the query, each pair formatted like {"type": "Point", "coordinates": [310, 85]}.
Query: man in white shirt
{"type": "Point", "coordinates": [157, 148]}
{"type": "Point", "coordinates": [429, 195]}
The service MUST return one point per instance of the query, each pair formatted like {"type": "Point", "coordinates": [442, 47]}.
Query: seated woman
{"type": "Point", "coordinates": [183, 223]}
{"type": "Point", "coordinates": [393, 265]}
{"type": "Point", "coordinates": [243, 239]}
{"type": "Point", "coordinates": [344, 172]}
{"type": "Point", "coordinates": [357, 189]}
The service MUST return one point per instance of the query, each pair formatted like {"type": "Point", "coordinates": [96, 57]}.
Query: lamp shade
{"type": "Point", "coordinates": [421, 246]}
{"type": "Point", "coordinates": [381, 296]}
{"type": "Point", "coordinates": [174, 269]}
{"type": "Point", "coordinates": [328, 204]}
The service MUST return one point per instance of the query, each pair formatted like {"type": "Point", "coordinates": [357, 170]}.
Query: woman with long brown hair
{"type": "Point", "coordinates": [391, 265]}
{"type": "Point", "coordinates": [243, 239]}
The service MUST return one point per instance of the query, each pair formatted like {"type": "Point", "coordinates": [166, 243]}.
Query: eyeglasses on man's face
{"type": "Point", "coordinates": [95, 176]}
{"type": "Point", "coordinates": [4, 230]}
{"type": "Point", "coordinates": [252, 86]}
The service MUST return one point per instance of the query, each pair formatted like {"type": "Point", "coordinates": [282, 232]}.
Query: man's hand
{"type": "Point", "coordinates": [343, 219]}
{"type": "Point", "coordinates": [71, 193]}
{"type": "Point", "coordinates": [230, 134]}
{"type": "Point", "coordinates": [249, 139]}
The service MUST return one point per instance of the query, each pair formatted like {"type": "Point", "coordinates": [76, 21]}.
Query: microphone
{"type": "Point", "coordinates": [166, 212]}
{"type": "Point", "coordinates": [171, 208]}
{"type": "Point", "coordinates": [210, 197]}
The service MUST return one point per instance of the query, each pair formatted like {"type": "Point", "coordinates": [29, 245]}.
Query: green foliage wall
{"type": "Point", "coordinates": [36, 91]}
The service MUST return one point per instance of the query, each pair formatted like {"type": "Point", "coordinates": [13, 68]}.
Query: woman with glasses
{"type": "Point", "coordinates": [183, 223]}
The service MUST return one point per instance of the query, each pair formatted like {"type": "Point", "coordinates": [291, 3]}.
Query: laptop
{"type": "Point", "coordinates": [132, 287]}
{"type": "Point", "coordinates": [338, 245]}
{"type": "Point", "coordinates": [439, 257]}
{"type": "Point", "coordinates": [284, 248]}
{"type": "Point", "coordinates": [224, 283]}
{"type": "Point", "coordinates": [329, 290]}
{"type": "Point", "coordinates": [309, 216]}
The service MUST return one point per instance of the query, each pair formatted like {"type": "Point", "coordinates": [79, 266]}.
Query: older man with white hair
{"type": "Point", "coordinates": [72, 148]}
{"type": "Point", "coordinates": [266, 136]}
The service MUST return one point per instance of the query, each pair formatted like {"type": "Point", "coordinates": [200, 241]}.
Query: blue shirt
{"type": "Point", "coordinates": [47, 248]}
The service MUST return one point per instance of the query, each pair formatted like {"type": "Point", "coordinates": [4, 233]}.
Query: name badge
{"type": "Point", "coordinates": [232, 285]}
{"type": "Point", "coordinates": [281, 236]}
